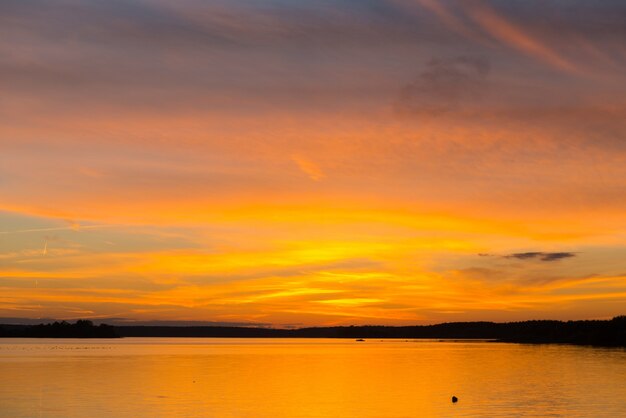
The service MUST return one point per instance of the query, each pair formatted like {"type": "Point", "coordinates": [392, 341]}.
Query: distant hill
{"type": "Point", "coordinates": [608, 333]}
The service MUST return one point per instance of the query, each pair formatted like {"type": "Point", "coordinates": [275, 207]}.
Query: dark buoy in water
{"type": "Point", "coordinates": [455, 399]}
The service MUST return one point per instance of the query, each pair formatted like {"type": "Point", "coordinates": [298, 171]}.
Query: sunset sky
{"type": "Point", "coordinates": [312, 162]}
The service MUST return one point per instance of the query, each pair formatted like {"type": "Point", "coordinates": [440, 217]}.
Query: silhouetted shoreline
{"type": "Point", "coordinates": [80, 329]}
{"type": "Point", "coordinates": [607, 333]}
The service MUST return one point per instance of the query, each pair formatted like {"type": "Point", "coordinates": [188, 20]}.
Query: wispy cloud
{"type": "Point", "coordinates": [308, 167]}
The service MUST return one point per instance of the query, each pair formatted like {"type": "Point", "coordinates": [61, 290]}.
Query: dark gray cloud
{"type": "Point", "coordinates": [445, 85]}
{"type": "Point", "coordinates": [534, 255]}
{"type": "Point", "coordinates": [542, 256]}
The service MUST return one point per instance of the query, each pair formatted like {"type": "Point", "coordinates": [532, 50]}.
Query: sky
{"type": "Point", "coordinates": [292, 163]}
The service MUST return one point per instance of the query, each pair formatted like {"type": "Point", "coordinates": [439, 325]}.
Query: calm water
{"type": "Point", "coordinates": [163, 377]}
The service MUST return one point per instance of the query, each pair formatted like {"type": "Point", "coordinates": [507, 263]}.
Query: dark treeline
{"type": "Point", "coordinates": [609, 333]}
{"type": "Point", "coordinates": [80, 329]}
{"type": "Point", "coordinates": [600, 333]}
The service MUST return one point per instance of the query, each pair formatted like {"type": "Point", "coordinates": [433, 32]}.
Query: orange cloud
{"type": "Point", "coordinates": [308, 167]}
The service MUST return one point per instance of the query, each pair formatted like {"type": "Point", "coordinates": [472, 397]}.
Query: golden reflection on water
{"type": "Point", "coordinates": [161, 377]}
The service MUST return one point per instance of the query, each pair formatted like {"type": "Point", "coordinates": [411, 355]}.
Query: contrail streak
{"type": "Point", "coordinates": [508, 33]}
{"type": "Point", "coordinates": [60, 228]}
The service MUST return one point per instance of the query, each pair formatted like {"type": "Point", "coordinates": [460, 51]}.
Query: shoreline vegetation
{"type": "Point", "coordinates": [80, 329]}
{"type": "Point", "coordinates": [602, 333]}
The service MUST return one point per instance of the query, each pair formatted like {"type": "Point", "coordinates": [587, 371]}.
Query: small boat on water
{"type": "Point", "coordinates": [360, 340]}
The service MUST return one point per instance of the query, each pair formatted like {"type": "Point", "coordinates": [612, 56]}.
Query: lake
{"type": "Point", "coordinates": [189, 377]}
